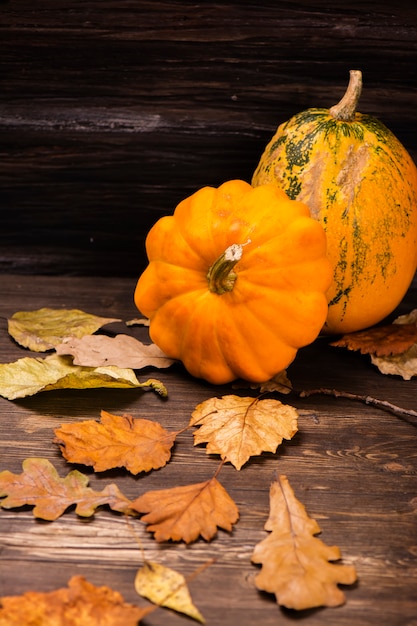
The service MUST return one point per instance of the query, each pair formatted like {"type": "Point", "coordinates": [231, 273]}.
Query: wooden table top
{"type": "Point", "coordinates": [352, 465]}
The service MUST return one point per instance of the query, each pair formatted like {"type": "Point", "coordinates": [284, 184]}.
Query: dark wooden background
{"type": "Point", "coordinates": [112, 111]}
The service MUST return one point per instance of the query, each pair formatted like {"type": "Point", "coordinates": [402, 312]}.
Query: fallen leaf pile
{"type": "Point", "coordinates": [94, 362]}
{"type": "Point", "coordinates": [392, 347]}
{"type": "Point", "coordinates": [296, 567]}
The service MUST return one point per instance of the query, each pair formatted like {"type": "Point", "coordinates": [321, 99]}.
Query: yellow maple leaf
{"type": "Point", "coordinates": [296, 565]}
{"type": "Point", "coordinates": [185, 513]}
{"type": "Point", "coordinates": [45, 328]}
{"type": "Point", "coordinates": [79, 604]}
{"type": "Point", "coordinates": [139, 445]}
{"type": "Point", "coordinates": [237, 428]}
{"type": "Point", "coordinates": [166, 587]}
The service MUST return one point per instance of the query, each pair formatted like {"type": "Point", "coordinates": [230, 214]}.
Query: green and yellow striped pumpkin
{"type": "Point", "coordinates": [361, 184]}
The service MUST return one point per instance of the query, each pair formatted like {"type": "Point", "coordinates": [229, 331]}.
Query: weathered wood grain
{"type": "Point", "coordinates": [112, 112]}
{"type": "Point", "coordinates": [353, 466]}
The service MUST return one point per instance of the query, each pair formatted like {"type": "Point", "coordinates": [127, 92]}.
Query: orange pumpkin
{"type": "Point", "coordinates": [361, 184]}
{"type": "Point", "coordinates": [236, 282]}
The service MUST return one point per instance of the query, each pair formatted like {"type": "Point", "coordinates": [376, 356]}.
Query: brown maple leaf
{"type": "Point", "coordinates": [391, 339]}
{"type": "Point", "coordinates": [79, 604]}
{"type": "Point", "coordinates": [185, 513]}
{"type": "Point", "coordinates": [296, 565]}
{"type": "Point", "coordinates": [40, 486]}
{"type": "Point", "coordinates": [238, 428]}
{"type": "Point", "coordinates": [139, 445]}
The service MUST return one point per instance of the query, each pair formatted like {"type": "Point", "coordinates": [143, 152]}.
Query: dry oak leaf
{"type": "Point", "coordinates": [238, 428]}
{"type": "Point", "coordinates": [121, 350]}
{"type": "Point", "coordinates": [40, 486]}
{"type": "Point", "coordinates": [45, 328]}
{"type": "Point", "coordinates": [79, 604]}
{"type": "Point", "coordinates": [139, 445]}
{"type": "Point", "coordinates": [166, 587]}
{"type": "Point", "coordinates": [296, 565]}
{"type": "Point", "coordinates": [381, 341]}
{"type": "Point", "coordinates": [404, 364]}
{"type": "Point", "coordinates": [31, 375]}
{"type": "Point", "coordinates": [185, 513]}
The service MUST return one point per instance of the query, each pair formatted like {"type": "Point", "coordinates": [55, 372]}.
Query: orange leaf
{"type": "Point", "coordinates": [238, 428]}
{"type": "Point", "coordinates": [295, 564]}
{"type": "Point", "coordinates": [40, 486]}
{"type": "Point", "coordinates": [184, 513]}
{"type": "Point", "coordinates": [386, 340]}
{"type": "Point", "coordinates": [140, 445]}
{"type": "Point", "coordinates": [79, 604]}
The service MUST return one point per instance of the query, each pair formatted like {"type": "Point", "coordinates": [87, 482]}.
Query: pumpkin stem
{"type": "Point", "coordinates": [345, 110]}
{"type": "Point", "coordinates": [221, 277]}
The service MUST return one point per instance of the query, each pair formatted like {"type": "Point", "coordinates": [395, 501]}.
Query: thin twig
{"type": "Point", "coordinates": [380, 404]}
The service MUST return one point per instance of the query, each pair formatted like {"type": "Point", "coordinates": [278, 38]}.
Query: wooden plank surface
{"type": "Point", "coordinates": [353, 466]}
{"type": "Point", "coordinates": [112, 112]}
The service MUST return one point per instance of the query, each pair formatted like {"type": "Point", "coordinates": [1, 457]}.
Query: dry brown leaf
{"type": "Point", "coordinates": [39, 485]}
{"type": "Point", "coordinates": [166, 587]}
{"type": "Point", "coordinates": [381, 341]}
{"type": "Point", "coordinates": [404, 365]}
{"type": "Point", "coordinates": [139, 445]}
{"type": "Point", "coordinates": [79, 604]}
{"type": "Point", "coordinates": [122, 350]}
{"type": "Point", "coordinates": [31, 375]}
{"type": "Point", "coordinates": [185, 513]}
{"type": "Point", "coordinates": [238, 428]}
{"type": "Point", "coordinates": [296, 565]}
{"type": "Point", "coordinates": [45, 328]}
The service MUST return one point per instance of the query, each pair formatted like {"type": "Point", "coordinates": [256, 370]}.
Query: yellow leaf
{"type": "Point", "coordinates": [45, 328]}
{"type": "Point", "coordinates": [166, 587]}
{"type": "Point", "coordinates": [30, 375]}
{"type": "Point", "coordinates": [185, 513]}
{"type": "Point", "coordinates": [238, 428]}
{"type": "Point", "coordinates": [295, 564]}
{"type": "Point", "coordinates": [140, 445]}
{"type": "Point", "coordinates": [121, 350]}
